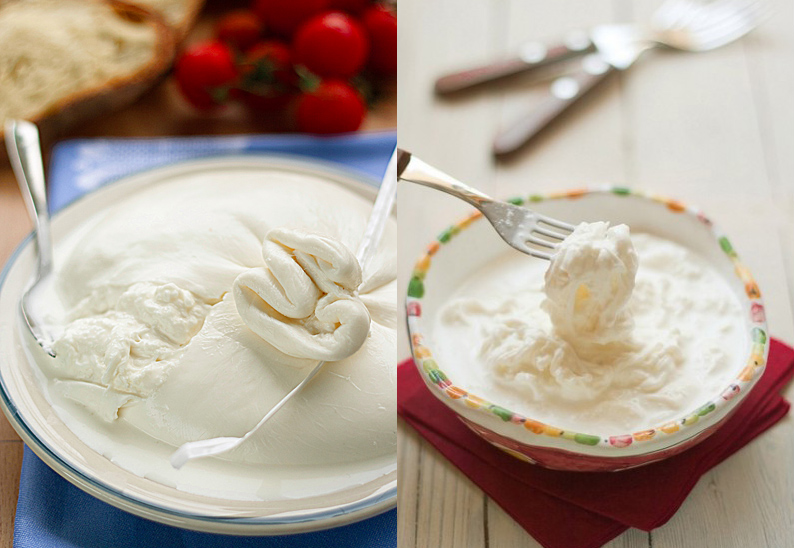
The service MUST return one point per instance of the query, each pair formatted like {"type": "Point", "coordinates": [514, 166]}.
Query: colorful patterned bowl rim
{"type": "Point", "coordinates": [672, 432]}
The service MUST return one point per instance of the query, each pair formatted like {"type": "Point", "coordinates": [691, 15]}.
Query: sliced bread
{"type": "Point", "coordinates": [62, 61]}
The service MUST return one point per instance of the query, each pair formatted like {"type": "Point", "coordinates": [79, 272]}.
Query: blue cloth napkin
{"type": "Point", "coordinates": [51, 512]}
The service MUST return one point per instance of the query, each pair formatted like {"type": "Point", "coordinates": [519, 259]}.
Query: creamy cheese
{"type": "Point", "coordinates": [126, 342]}
{"type": "Point", "coordinates": [304, 301]}
{"type": "Point", "coordinates": [588, 285]}
{"type": "Point", "coordinates": [618, 334]}
{"type": "Point", "coordinates": [196, 305]}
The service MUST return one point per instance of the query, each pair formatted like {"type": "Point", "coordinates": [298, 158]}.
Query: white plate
{"type": "Point", "coordinates": [30, 413]}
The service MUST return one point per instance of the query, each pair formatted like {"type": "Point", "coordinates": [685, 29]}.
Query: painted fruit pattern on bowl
{"type": "Point", "coordinates": [434, 376]}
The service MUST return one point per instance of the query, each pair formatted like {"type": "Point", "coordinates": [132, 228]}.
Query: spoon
{"type": "Point", "coordinates": [24, 151]}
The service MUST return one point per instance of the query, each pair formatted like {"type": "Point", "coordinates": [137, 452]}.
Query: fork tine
{"type": "Point", "coordinates": [736, 6]}
{"type": "Point", "coordinates": [733, 10]}
{"type": "Point", "coordinates": [540, 242]}
{"type": "Point", "coordinates": [555, 223]}
{"type": "Point", "coordinates": [714, 15]}
{"type": "Point", "coordinates": [728, 31]}
{"type": "Point", "coordinates": [714, 24]}
{"type": "Point", "coordinates": [723, 36]}
{"type": "Point", "coordinates": [724, 14]}
{"type": "Point", "coordinates": [711, 25]}
{"type": "Point", "coordinates": [540, 255]}
{"type": "Point", "coordinates": [754, 11]}
{"type": "Point", "coordinates": [550, 233]}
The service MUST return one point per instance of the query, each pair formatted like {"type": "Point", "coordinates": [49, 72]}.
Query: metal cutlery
{"type": "Point", "coordinates": [685, 25]}
{"type": "Point", "coordinates": [531, 56]}
{"type": "Point", "coordinates": [523, 229]}
{"type": "Point", "coordinates": [24, 151]}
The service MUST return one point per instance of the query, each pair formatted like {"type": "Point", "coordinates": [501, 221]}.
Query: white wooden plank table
{"type": "Point", "coordinates": [715, 130]}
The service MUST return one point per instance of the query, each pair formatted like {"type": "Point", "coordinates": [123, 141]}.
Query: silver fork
{"type": "Point", "coordinates": [694, 26]}
{"type": "Point", "coordinates": [523, 229]}
{"type": "Point", "coordinates": [685, 25]}
{"type": "Point", "coordinates": [24, 151]}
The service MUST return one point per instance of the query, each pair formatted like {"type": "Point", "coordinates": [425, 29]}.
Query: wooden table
{"type": "Point", "coordinates": [715, 130]}
{"type": "Point", "coordinates": [161, 112]}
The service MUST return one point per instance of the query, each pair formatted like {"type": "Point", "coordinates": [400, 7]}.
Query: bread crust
{"type": "Point", "coordinates": [190, 18]}
{"type": "Point", "coordinates": [116, 92]}
{"type": "Point", "coordinates": [182, 27]}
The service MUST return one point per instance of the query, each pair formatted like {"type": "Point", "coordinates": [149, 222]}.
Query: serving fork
{"type": "Point", "coordinates": [523, 229]}
{"type": "Point", "coordinates": [685, 25]}
{"type": "Point", "coordinates": [24, 151]}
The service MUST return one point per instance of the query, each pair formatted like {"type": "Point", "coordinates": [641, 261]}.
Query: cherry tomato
{"type": "Point", "coordinates": [333, 107]}
{"type": "Point", "coordinates": [268, 80]}
{"type": "Point", "coordinates": [239, 28]}
{"type": "Point", "coordinates": [331, 45]}
{"type": "Point", "coordinates": [204, 72]}
{"type": "Point", "coordinates": [272, 61]}
{"type": "Point", "coordinates": [284, 16]}
{"type": "Point", "coordinates": [381, 26]}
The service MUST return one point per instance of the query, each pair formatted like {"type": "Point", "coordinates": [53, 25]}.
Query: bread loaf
{"type": "Point", "coordinates": [65, 60]}
{"type": "Point", "coordinates": [178, 14]}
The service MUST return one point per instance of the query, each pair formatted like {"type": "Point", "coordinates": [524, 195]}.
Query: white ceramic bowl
{"type": "Point", "coordinates": [471, 243]}
{"type": "Point", "coordinates": [370, 489]}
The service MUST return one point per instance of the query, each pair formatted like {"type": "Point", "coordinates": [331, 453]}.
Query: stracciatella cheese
{"type": "Point", "coordinates": [619, 333]}
{"type": "Point", "coordinates": [195, 305]}
{"type": "Point", "coordinates": [589, 282]}
{"type": "Point", "coordinates": [123, 339]}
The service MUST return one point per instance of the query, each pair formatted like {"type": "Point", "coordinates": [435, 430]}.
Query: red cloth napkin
{"type": "Point", "coordinates": [588, 509]}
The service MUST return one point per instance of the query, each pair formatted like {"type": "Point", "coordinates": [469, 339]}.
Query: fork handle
{"type": "Point", "coordinates": [531, 56]}
{"type": "Point", "coordinates": [414, 170]}
{"type": "Point", "coordinates": [564, 92]}
{"type": "Point", "coordinates": [24, 151]}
